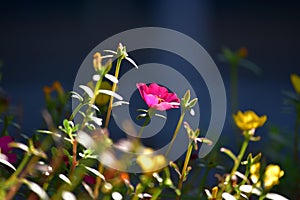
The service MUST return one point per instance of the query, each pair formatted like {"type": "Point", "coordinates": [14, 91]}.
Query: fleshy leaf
{"type": "Point", "coordinates": [68, 196]}
{"type": "Point", "coordinates": [87, 90]}
{"type": "Point", "coordinates": [111, 93]}
{"type": "Point", "coordinates": [5, 162]}
{"type": "Point", "coordinates": [65, 179]}
{"type": "Point", "coordinates": [36, 189]}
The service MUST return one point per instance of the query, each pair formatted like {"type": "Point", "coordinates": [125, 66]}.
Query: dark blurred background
{"type": "Point", "coordinates": [44, 41]}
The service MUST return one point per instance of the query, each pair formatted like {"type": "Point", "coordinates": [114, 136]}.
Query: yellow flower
{"type": "Point", "coordinates": [149, 162]}
{"type": "Point", "coordinates": [249, 120]}
{"type": "Point", "coordinates": [255, 172]}
{"type": "Point", "coordinates": [295, 79]}
{"type": "Point", "coordinates": [272, 175]}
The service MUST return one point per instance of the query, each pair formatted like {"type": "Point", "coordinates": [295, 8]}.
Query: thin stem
{"type": "Point", "coordinates": [74, 161]}
{"type": "Point", "coordinates": [185, 165]}
{"type": "Point", "coordinates": [237, 162]}
{"type": "Point", "coordinates": [76, 110]}
{"type": "Point", "coordinates": [98, 181]}
{"type": "Point", "coordinates": [176, 132]}
{"type": "Point", "coordinates": [20, 168]}
{"type": "Point", "coordinates": [113, 90]}
{"type": "Point", "coordinates": [156, 193]}
{"type": "Point", "coordinates": [151, 113]}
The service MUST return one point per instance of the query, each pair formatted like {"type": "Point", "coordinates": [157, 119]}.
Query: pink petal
{"type": "Point", "coordinates": [163, 106]}
{"type": "Point", "coordinates": [89, 179]}
{"type": "Point", "coordinates": [4, 141]}
{"type": "Point", "coordinates": [150, 100]}
{"type": "Point", "coordinates": [12, 158]}
{"type": "Point", "coordinates": [157, 90]}
{"type": "Point", "coordinates": [143, 88]}
{"type": "Point", "coordinates": [171, 97]}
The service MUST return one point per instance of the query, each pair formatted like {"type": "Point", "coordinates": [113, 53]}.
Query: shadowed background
{"type": "Point", "coordinates": [41, 42]}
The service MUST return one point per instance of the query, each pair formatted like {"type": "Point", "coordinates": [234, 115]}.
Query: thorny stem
{"type": "Point", "coordinates": [113, 90]}
{"type": "Point", "coordinates": [184, 169]}
{"type": "Point", "coordinates": [176, 132]}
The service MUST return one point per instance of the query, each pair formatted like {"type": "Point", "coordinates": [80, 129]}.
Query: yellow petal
{"type": "Point", "coordinates": [295, 79]}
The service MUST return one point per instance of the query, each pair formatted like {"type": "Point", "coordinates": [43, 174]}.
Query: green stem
{"type": "Point", "coordinates": [185, 165]}
{"type": "Point", "coordinates": [237, 162]}
{"type": "Point", "coordinates": [76, 110]}
{"type": "Point", "coordinates": [20, 168]}
{"type": "Point", "coordinates": [176, 132]}
{"type": "Point", "coordinates": [113, 90]}
{"type": "Point", "coordinates": [151, 113]}
{"type": "Point", "coordinates": [156, 194]}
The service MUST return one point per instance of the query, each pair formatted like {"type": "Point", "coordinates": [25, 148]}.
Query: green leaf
{"type": "Point", "coordinates": [192, 103]}
{"type": "Point", "coordinates": [111, 93]}
{"type": "Point", "coordinates": [19, 146]}
{"type": "Point", "coordinates": [95, 172]}
{"type": "Point", "coordinates": [5, 162]}
{"type": "Point", "coordinates": [64, 178]}
{"type": "Point", "coordinates": [76, 96]}
{"type": "Point", "coordinates": [87, 90]}
{"type": "Point", "coordinates": [256, 158]}
{"type": "Point", "coordinates": [66, 195]}
{"type": "Point", "coordinates": [228, 153]}
{"type": "Point", "coordinates": [186, 97]}
{"type": "Point", "coordinates": [36, 189]}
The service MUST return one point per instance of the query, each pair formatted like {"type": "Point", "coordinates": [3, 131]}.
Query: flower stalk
{"type": "Point", "coordinates": [184, 169]}
{"type": "Point", "coordinates": [118, 66]}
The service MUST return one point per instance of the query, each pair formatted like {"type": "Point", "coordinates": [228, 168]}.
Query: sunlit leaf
{"type": "Point", "coordinates": [65, 179]}
{"type": "Point", "coordinates": [5, 162]}
{"type": "Point", "coordinates": [111, 93]}
{"type": "Point", "coordinates": [192, 112]}
{"type": "Point", "coordinates": [36, 189]}
{"type": "Point", "coordinates": [96, 77]}
{"type": "Point", "coordinates": [19, 146]}
{"type": "Point", "coordinates": [68, 196]}
{"type": "Point", "coordinates": [88, 189]}
{"type": "Point", "coordinates": [120, 103]}
{"type": "Point", "coordinates": [96, 172]}
{"type": "Point", "coordinates": [76, 96]}
{"type": "Point", "coordinates": [116, 196]}
{"type": "Point", "coordinates": [111, 78]}
{"type": "Point", "coordinates": [275, 196]}
{"type": "Point", "coordinates": [132, 62]}
{"type": "Point", "coordinates": [228, 196]}
{"type": "Point", "coordinates": [87, 90]}
{"type": "Point", "coordinates": [229, 153]}
{"type": "Point", "coordinates": [110, 51]}
{"type": "Point", "coordinates": [161, 116]}
{"type": "Point", "coordinates": [97, 120]}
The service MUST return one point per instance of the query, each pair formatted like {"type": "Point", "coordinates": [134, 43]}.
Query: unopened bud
{"type": "Point", "coordinates": [97, 61]}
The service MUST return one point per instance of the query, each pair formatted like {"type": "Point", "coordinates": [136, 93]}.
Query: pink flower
{"type": "Point", "coordinates": [158, 97]}
{"type": "Point", "coordinates": [89, 179]}
{"type": "Point", "coordinates": [6, 150]}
